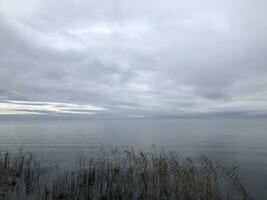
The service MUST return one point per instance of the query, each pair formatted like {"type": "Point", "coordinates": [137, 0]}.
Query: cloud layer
{"type": "Point", "coordinates": [133, 58]}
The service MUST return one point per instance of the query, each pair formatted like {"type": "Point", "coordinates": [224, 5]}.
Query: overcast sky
{"type": "Point", "coordinates": [133, 58]}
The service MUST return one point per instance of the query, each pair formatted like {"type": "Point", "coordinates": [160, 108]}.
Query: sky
{"type": "Point", "coordinates": [133, 59]}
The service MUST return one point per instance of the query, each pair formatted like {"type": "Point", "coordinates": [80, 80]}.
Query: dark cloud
{"type": "Point", "coordinates": [135, 58]}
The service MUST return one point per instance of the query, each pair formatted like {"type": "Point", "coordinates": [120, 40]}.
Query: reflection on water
{"type": "Point", "coordinates": [241, 142]}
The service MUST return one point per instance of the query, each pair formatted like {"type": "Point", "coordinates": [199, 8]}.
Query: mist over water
{"type": "Point", "coordinates": [240, 142]}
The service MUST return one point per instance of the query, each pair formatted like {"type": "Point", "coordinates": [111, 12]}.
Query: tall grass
{"type": "Point", "coordinates": [120, 174]}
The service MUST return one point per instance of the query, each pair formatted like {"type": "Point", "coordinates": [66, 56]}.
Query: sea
{"type": "Point", "coordinates": [230, 142]}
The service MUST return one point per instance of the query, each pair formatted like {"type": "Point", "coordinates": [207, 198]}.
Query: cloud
{"type": "Point", "coordinates": [28, 107]}
{"type": "Point", "coordinates": [133, 58]}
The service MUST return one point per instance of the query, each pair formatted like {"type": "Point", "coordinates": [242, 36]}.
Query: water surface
{"type": "Point", "coordinates": [241, 142]}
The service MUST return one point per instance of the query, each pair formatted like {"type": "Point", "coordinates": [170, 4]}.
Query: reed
{"type": "Point", "coordinates": [120, 174]}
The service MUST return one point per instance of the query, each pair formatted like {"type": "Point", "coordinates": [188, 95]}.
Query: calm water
{"type": "Point", "coordinates": [241, 142]}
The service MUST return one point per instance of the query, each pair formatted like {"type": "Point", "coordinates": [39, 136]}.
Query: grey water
{"type": "Point", "coordinates": [238, 142]}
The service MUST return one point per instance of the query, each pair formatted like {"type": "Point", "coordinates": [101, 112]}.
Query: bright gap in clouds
{"type": "Point", "coordinates": [29, 107]}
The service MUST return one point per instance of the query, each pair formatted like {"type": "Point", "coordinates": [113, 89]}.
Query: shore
{"type": "Point", "coordinates": [119, 174]}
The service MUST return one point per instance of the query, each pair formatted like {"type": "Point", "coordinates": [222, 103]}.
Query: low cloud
{"type": "Point", "coordinates": [28, 107]}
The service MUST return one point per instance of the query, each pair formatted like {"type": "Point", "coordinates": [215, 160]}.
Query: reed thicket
{"type": "Point", "coordinates": [120, 174]}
